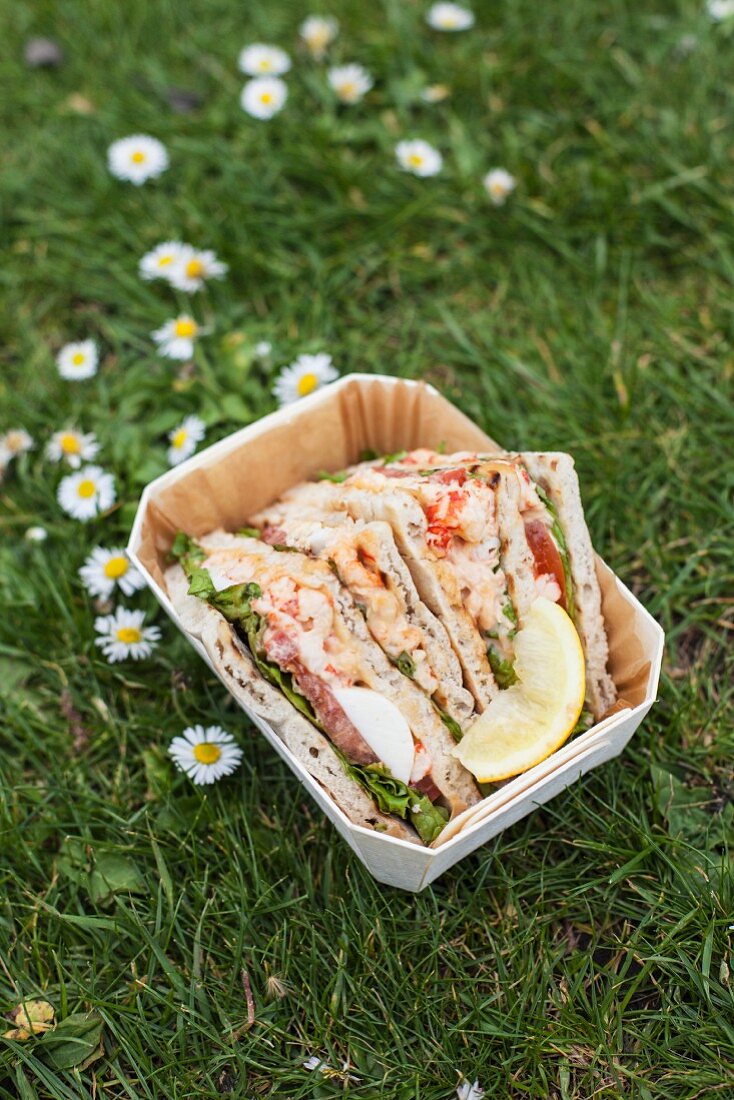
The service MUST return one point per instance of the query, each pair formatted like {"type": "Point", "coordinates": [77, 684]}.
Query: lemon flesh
{"type": "Point", "coordinates": [532, 718]}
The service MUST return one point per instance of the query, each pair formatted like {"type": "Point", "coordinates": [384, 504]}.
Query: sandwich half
{"type": "Point", "coordinates": [291, 625]}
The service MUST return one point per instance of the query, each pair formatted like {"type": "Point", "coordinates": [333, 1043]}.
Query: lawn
{"type": "Point", "coordinates": [215, 941]}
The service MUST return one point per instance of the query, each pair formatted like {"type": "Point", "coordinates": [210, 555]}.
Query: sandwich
{"type": "Point", "coordinates": [289, 640]}
{"type": "Point", "coordinates": [483, 536]}
{"type": "Point", "coordinates": [366, 560]}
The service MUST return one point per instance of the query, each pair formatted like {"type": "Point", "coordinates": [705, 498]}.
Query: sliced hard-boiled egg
{"type": "Point", "coordinates": [382, 726]}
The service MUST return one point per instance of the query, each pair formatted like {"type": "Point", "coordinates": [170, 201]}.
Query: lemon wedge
{"type": "Point", "coordinates": [532, 718]}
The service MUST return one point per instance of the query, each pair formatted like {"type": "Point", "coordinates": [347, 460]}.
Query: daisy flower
{"type": "Point", "coordinates": [264, 96]}
{"type": "Point", "coordinates": [77, 362]}
{"type": "Point", "coordinates": [137, 158]}
{"type": "Point", "coordinates": [15, 442]}
{"type": "Point", "coordinates": [73, 446]}
{"type": "Point", "coordinates": [205, 755]}
{"type": "Point", "coordinates": [160, 261]}
{"type": "Point", "coordinates": [86, 493]}
{"type": "Point", "coordinates": [122, 635]}
{"type": "Point", "coordinates": [720, 9]}
{"type": "Point", "coordinates": [184, 439]}
{"type": "Point", "coordinates": [307, 374]}
{"type": "Point", "coordinates": [449, 17]}
{"type": "Point", "coordinates": [435, 93]}
{"type": "Point", "coordinates": [467, 1091]}
{"type": "Point", "coordinates": [318, 32]}
{"type": "Point", "coordinates": [499, 184]}
{"type": "Point", "coordinates": [176, 338]}
{"type": "Point", "coordinates": [350, 82]}
{"type": "Point", "coordinates": [36, 534]}
{"type": "Point", "coordinates": [262, 60]}
{"type": "Point", "coordinates": [103, 570]}
{"type": "Point", "coordinates": [418, 157]}
{"type": "Point", "coordinates": [192, 268]}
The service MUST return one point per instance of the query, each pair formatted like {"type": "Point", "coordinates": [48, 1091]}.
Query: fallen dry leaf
{"type": "Point", "coordinates": [31, 1018]}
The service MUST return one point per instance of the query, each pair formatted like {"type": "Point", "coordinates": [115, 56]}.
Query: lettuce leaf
{"type": "Point", "coordinates": [450, 723]}
{"type": "Point", "coordinates": [504, 672]}
{"type": "Point", "coordinates": [406, 664]}
{"type": "Point", "coordinates": [395, 797]}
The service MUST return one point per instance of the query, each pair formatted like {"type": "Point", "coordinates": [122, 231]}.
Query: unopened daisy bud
{"type": "Point", "coordinates": [36, 534]}
{"type": "Point", "coordinates": [137, 158]}
{"type": "Point", "coordinates": [499, 184]}
{"type": "Point", "coordinates": [350, 82]}
{"type": "Point", "coordinates": [318, 32]}
{"type": "Point", "coordinates": [263, 96]}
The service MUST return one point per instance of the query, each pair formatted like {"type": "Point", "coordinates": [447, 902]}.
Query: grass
{"type": "Point", "coordinates": [587, 951]}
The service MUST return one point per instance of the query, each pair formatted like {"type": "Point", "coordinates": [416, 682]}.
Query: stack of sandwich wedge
{"type": "Point", "coordinates": [372, 617]}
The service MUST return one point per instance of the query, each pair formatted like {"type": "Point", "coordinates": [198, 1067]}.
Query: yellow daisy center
{"type": "Point", "coordinates": [194, 269]}
{"type": "Point", "coordinates": [116, 567]}
{"type": "Point", "coordinates": [138, 157]}
{"type": "Point", "coordinates": [307, 383]}
{"type": "Point", "coordinates": [179, 438]}
{"type": "Point", "coordinates": [78, 358]}
{"type": "Point", "coordinates": [185, 327]}
{"type": "Point", "coordinates": [207, 753]}
{"type": "Point", "coordinates": [128, 635]}
{"type": "Point", "coordinates": [163, 261]}
{"type": "Point", "coordinates": [415, 160]}
{"type": "Point", "coordinates": [86, 488]}
{"type": "Point", "coordinates": [70, 444]}
{"type": "Point", "coordinates": [348, 89]}
{"type": "Point", "coordinates": [448, 21]}
{"type": "Point", "coordinates": [265, 64]}
{"type": "Point", "coordinates": [266, 98]}
{"type": "Point", "coordinates": [14, 441]}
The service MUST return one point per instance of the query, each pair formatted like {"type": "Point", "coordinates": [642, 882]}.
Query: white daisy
{"type": "Point", "coordinates": [36, 534]}
{"type": "Point", "coordinates": [73, 446]}
{"type": "Point", "coordinates": [105, 569]}
{"type": "Point", "coordinates": [350, 82]}
{"type": "Point", "coordinates": [15, 442]}
{"type": "Point", "coordinates": [264, 96]}
{"type": "Point", "coordinates": [263, 349]}
{"type": "Point", "coordinates": [449, 17]}
{"type": "Point", "coordinates": [467, 1091]}
{"type": "Point", "coordinates": [418, 157]}
{"type": "Point", "coordinates": [78, 361]}
{"type": "Point", "coordinates": [184, 439]}
{"type": "Point", "coordinates": [137, 158]}
{"type": "Point", "coordinates": [499, 184]}
{"type": "Point", "coordinates": [160, 261]}
{"type": "Point", "coordinates": [205, 755]}
{"type": "Point", "coordinates": [192, 269]}
{"type": "Point", "coordinates": [435, 93]}
{"type": "Point", "coordinates": [307, 374]}
{"type": "Point", "coordinates": [318, 32]}
{"type": "Point", "coordinates": [86, 493]}
{"type": "Point", "coordinates": [720, 9]}
{"type": "Point", "coordinates": [262, 60]}
{"type": "Point", "coordinates": [176, 338]}
{"type": "Point", "coordinates": [122, 635]}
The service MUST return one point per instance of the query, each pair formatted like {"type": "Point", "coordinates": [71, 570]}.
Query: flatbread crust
{"type": "Point", "coordinates": [554, 471]}
{"type": "Point", "coordinates": [236, 669]}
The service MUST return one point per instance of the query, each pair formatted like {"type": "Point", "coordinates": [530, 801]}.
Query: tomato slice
{"type": "Point", "coordinates": [545, 553]}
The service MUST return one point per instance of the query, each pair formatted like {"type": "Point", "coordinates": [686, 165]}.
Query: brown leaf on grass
{"type": "Point", "coordinates": [79, 732]}
{"type": "Point", "coordinates": [30, 1018]}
